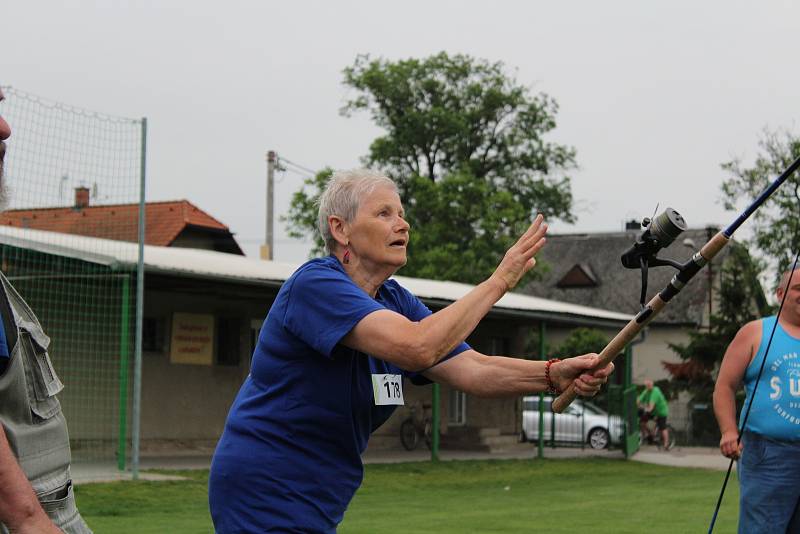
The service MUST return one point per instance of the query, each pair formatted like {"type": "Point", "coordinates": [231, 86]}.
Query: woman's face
{"type": "Point", "coordinates": [379, 233]}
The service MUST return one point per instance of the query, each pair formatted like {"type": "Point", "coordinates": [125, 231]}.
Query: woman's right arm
{"type": "Point", "coordinates": [418, 345]}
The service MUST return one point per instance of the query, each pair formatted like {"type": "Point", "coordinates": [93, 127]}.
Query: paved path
{"type": "Point", "coordinates": [698, 457]}
{"type": "Point", "coordinates": [84, 473]}
{"type": "Point", "coordinates": [521, 451]}
{"type": "Point", "coordinates": [694, 457]}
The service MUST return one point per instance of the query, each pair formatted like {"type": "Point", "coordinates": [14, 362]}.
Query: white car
{"type": "Point", "coordinates": [581, 422]}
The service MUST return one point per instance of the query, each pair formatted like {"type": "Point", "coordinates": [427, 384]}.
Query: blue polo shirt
{"type": "Point", "coordinates": [289, 459]}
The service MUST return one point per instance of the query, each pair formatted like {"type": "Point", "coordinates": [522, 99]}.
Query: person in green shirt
{"type": "Point", "coordinates": [652, 403]}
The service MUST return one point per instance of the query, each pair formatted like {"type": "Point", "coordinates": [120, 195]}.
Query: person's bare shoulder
{"type": "Point", "coordinates": [744, 345]}
{"type": "Point", "coordinates": [751, 333]}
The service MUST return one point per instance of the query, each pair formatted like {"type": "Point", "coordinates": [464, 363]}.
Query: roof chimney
{"type": "Point", "coordinates": [81, 197]}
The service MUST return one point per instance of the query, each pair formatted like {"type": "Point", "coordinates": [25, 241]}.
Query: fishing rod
{"type": "Point", "coordinates": [659, 233]}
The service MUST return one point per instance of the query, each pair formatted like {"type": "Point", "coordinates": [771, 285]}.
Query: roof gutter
{"type": "Point", "coordinates": [539, 315]}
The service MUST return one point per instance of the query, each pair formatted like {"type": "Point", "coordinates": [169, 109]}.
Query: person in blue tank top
{"type": "Point", "coordinates": [330, 360]}
{"type": "Point", "coordinates": [768, 455]}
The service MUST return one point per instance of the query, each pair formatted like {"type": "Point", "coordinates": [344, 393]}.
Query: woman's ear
{"type": "Point", "coordinates": [339, 230]}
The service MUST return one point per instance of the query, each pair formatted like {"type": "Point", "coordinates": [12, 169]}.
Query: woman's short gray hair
{"type": "Point", "coordinates": [342, 197]}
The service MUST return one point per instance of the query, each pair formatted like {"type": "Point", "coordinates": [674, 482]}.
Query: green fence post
{"type": "Point", "coordinates": [435, 425]}
{"type": "Point", "coordinates": [542, 356]}
{"type": "Point", "coordinates": [137, 355]}
{"type": "Point", "coordinates": [630, 415]}
{"type": "Point", "coordinates": [628, 367]}
{"type": "Point", "coordinates": [123, 373]}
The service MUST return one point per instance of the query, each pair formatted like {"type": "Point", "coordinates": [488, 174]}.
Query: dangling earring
{"type": "Point", "coordinates": [346, 257]}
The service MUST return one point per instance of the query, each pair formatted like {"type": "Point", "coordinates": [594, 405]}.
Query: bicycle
{"type": "Point", "coordinates": [416, 426]}
{"type": "Point", "coordinates": [653, 436]}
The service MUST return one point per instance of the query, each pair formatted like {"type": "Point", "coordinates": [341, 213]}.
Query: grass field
{"type": "Point", "coordinates": [586, 495]}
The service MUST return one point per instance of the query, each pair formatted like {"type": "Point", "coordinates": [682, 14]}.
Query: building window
{"type": "Point", "coordinates": [457, 412]}
{"type": "Point", "coordinates": [153, 334]}
{"type": "Point", "coordinates": [228, 341]}
{"type": "Point", "coordinates": [580, 275]}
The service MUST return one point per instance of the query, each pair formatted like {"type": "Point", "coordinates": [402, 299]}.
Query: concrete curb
{"type": "Point", "coordinates": [690, 457]}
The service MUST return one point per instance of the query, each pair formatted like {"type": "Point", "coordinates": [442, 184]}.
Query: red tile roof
{"type": "Point", "coordinates": [164, 220]}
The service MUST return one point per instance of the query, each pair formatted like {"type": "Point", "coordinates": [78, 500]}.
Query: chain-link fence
{"type": "Point", "coordinates": [77, 173]}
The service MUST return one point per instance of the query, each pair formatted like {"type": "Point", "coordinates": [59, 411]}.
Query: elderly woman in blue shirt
{"type": "Point", "coordinates": [328, 367]}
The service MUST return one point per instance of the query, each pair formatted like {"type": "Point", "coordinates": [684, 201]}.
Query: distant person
{"type": "Point", "coordinates": [328, 367]}
{"type": "Point", "coordinates": [653, 405]}
{"type": "Point", "coordinates": [35, 485]}
{"type": "Point", "coordinates": [769, 451]}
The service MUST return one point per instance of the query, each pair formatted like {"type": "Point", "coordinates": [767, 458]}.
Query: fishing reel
{"type": "Point", "coordinates": [659, 233]}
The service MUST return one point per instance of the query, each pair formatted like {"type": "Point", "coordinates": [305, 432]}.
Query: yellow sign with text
{"type": "Point", "coordinates": [192, 338]}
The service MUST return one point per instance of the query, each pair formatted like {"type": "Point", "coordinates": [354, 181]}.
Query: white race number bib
{"type": "Point", "coordinates": [387, 389]}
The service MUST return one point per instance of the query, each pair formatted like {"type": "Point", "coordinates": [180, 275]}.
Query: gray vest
{"type": "Point", "coordinates": [31, 416]}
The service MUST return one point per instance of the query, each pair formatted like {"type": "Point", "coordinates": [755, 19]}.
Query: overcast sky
{"type": "Point", "coordinates": [652, 95]}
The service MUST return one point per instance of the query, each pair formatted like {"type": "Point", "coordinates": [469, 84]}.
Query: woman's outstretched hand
{"type": "Point", "coordinates": [519, 259]}
{"type": "Point", "coordinates": [578, 370]}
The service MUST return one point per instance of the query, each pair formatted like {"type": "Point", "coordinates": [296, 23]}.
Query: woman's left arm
{"type": "Point", "coordinates": [500, 376]}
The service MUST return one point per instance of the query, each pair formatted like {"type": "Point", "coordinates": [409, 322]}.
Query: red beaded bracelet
{"type": "Point", "coordinates": [551, 387]}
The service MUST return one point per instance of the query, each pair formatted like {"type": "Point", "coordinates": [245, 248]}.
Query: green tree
{"type": "Point", "coordinates": [465, 143]}
{"type": "Point", "coordinates": [776, 224]}
{"type": "Point", "coordinates": [464, 226]}
{"type": "Point", "coordinates": [579, 341]}
{"type": "Point", "coordinates": [302, 217]}
{"type": "Point", "coordinates": [582, 341]}
{"type": "Point", "coordinates": [741, 299]}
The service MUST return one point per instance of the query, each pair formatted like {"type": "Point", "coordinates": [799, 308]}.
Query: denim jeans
{"type": "Point", "coordinates": [769, 484]}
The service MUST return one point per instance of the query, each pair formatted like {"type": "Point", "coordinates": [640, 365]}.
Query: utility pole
{"type": "Point", "coordinates": [267, 247]}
